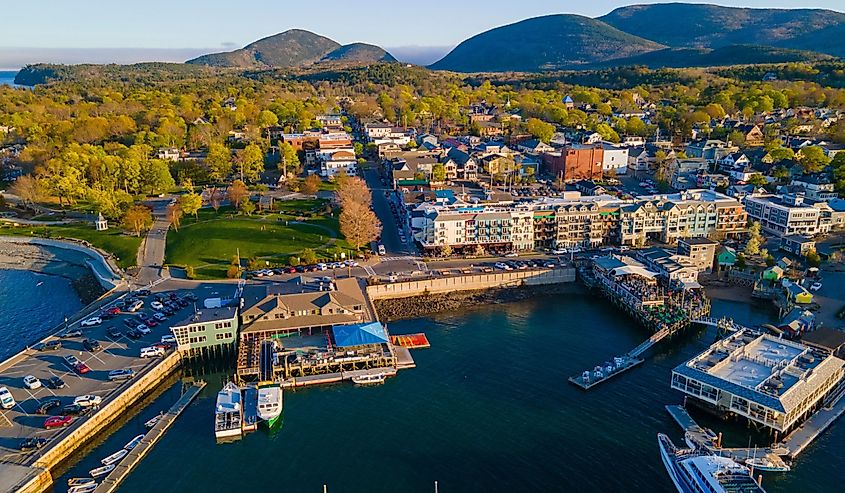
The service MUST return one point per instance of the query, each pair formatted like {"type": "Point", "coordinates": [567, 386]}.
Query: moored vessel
{"type": "Point", "coordinates": [133, 443]}
{"type": "Point", "coordinates": [228, 413]}
{"type": "Point", "coordinates": [101, 471]}
{"type": "Point", "coordinates": [696, 470]}
{"type": "Point", "coordinates": [115, 457]}
{"type": "Point", "coordinates": [374, 379]}
{"type": "Point", "coordinates": [270, 403]}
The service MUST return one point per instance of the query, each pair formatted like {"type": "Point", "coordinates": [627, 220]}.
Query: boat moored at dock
{"type": "Point", "coordinates": [133, 443]}
{"type": "Point", "coordinates": [101, 471]}
{"type": "Point", "coordinates": [270, 403]}
{"type": "Point", "coordinates": [80, 482]}
{"type": "Point", "coordinates": [115, 457]}
{"type": "Point", "coordinates": [228, 413]}
{"type": "Point", "coordinates": [768, 463]}
{"type": "Point", "coordinates": [85, 488]}
{"type": "Point", "coordinates": [695, 470]}
{"type": "Point", "coordinates": [370, 379]}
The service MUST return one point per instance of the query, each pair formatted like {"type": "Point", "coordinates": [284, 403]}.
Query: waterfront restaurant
{"type": "Point", "coordinates": [206, 329]}
{"type": "Point", "coordinates": [770, 381]}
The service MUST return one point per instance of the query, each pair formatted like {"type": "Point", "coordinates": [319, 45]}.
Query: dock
{"type": "Point", "coordinates": [600, 374]}
{"type": "Point", "coordinates": [410, 341]}
{"type": "Point", "coordinates": [326, 378]}
{"type": "Point", "coordinates": [804, 435]}
{"type": "Point", "coordinates": [250, 400]}
{"type": "Point", "coordinates": [122, 470]}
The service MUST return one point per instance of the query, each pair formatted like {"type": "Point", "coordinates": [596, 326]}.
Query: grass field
{"type": "Point", "coordinates": [123, 247]}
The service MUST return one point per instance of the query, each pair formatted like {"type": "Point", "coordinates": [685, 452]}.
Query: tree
{"type": "Point", "coordinates": [359, 224]}
{"type": "Point", "coordinates": [290, 159]}
{"type": "Point", "coordinates": [353, 190]}
{"type": "Point", "coordinates": [780, 173]}
{"type": "Point", "coordinates": [770, 260]}
{"type": "Point", "coordinates": [137, 219]}
{"type": "Point", "coordinates": [251, 162]}
{"type": "Point", "coordinates": [28, 189]}
{"type": "Point", "coordinates": [741, 263]}
{"type": "Point", "coordinates": [359, 149]}
{"type": "Point", "coordinates": [781, 153]}
{"type": "Point", "coordinates": [174, 215]}
{"type": "Point", "coordinates": [813, 159]}
{"type": "Point", "coordinates": [215, 197]}
{"type": "Point", "coordinates": [308, 256]}
{"type": "Point", "coordinates": [446, 250]}
{"type": "Point", "coordinates": [540, 129]}
{"type": "Point", "coordinates": [753, 246]}
{"type": "Point", "coordinates": [219, 161]}
{"type": "Point", "coordinates": [813, 259]}
{"type": "Point", "coordinates": [156, 177]}
{"type": "Point", "coordinates": [438, 172]}
{"type": "Point", "coordinates": [191, 203]}
{"type": "Point", "coordinates": [757, 180]}
{"type": "Point", "coordinates": [267, 119]}
{"type": "Point", "coordinates": [247, 206]}
{"type": "Point", "coordinates": [311, 184]}
{"type": "Point", "coordinates": [236, 192]}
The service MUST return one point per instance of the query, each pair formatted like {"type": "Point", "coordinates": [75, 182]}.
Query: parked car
{"type": "Point", "coordinates": [92, 345]}
{"type": "Point", "coordinates": [816, 286]}
{"type": "Point", "coordinates": [151, 323]}
{"type": "Point", "coordinates": [134, 334]}
{"type": "Point", "coordinates": [160, 317]}
{"type": "Point", "coordinates": [131, 323]}
{"type": "Point", "coordinates": [152, 352]}
{"type": "Point", "coordinates": [78, 366]}
{"type": "Point", "coordinates": [31, 382]}
{"type": "Point", "coordinates": [143, 329]}
{"type": "Point", "coordinates": [6, 399]}
{"type": "Point", "coordinates": [170, 338]}
{"type": "Point", "coordinates": [75, 410]}
{"type": "Point", "coordinates": [143, 317]}
{"type": "Point", "coordinates": [51, 346]}
{"type": "Point", "coordinates": [46, 406]}
{"type": "Point", "coordinates": [191, 296]}
{"type": "Point", "coordinates": [71, 333]}
{"type": "Point", "coordinates": [135, 306]}
{"type": "Point", "coordinates": [114, 333]}
{"type": "Point", "coordinates": [511, 255]}
{"type": "Point", "coordinates": [55, 383]}
{"type": "Point", "coordinates": [91, 322]}
{"type": "Point", "coordinates": [58, 422]}
{"type": "Point", "coordinates": [33, 443]}
{"type": "Point", "coordinates": [167, 346]}
{"type": "Point", "coordinates": [88, 400]}
{"type": "Point", "coordinates": [156, 305]}
{"type": "Point", "coordinates": [143, 292]}
{"type": "Point", "coordinates": [122, 374]}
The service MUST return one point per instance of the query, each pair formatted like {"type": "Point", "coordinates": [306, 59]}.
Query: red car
{"type": "Point", "coordinates": [58, 422]}
{"type": "Point", "coordinates": [151, 323]}
{"type": "Point", "coordinates": [164, 345]}
{"type": "Point", "coordinates": [113, 311]}
{"type": "Point", "coordinates": [81, 368]}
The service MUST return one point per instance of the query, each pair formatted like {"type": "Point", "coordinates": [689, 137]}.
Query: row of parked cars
{"type": "Point", "coordinates": [323, 266]}
{"type": "Point", "coordinates": [526, 264]}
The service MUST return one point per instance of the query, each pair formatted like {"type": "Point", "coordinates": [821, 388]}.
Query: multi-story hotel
{"type": "Point", "coordinates": [786, 215]}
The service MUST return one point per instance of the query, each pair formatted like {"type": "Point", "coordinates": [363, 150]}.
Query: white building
{"type": "Point", "coordinates": [332, 162]}
{"type": "Point", "coordinates": [615, 159]}
{"type": "Point", "coordinates": [786, 215]}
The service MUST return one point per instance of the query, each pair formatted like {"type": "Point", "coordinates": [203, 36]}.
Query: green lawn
{"type": "Point", "coordinates": [122, 246]}
{"type": "Point", "coordinates": [210, 244]}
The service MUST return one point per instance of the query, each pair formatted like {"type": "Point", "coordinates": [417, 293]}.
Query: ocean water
{"type": "Point", "coordinates": [31, 305]}
{"type": "Point", "coordinates": [488, 409]}
{"type": "Point", "coordinates": [7, 78]}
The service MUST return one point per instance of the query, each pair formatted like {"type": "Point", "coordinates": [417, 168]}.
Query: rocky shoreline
{"type": "Point", "coordinates": [53, 262]}
{"type": "Point", "coordinates": [418, 306]}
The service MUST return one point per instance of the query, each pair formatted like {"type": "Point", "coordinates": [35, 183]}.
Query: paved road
{"type": "Point", "coordinates": [151, 253]}
{"type": "Point", "coordinates": [390, 232]}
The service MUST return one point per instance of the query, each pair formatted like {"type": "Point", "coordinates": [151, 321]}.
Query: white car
{"type": "Point", "coordinates": [156, 305]}
{"type": "Point", "coordinates": [31, 382]}
{"type": "Point", "coordinates": [511, 255]}
{"type": "Point", "coordinates": [90, 322]}
{"type": "Point", "coordinates": [142, 328]}
{"type": "Point", "coordinates": [88, 400]}
{"type": "Point", "coordinates": [168, 339]}
{"type": "Point", "coordinates": [152, 352]}
{"type": "Point", "coordinates": [560, 251]}
{"type": "Point", "coordinates": [6, 399]}
{"type": "Point", "coordinates": [816, 286]}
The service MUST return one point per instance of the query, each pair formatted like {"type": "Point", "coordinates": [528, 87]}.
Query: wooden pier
{"type": "Point", "coordinates": [326, 378]}
{"type": "Point", "coordinates": [587, 384]}
{"type": "Point", "coordinates": [804, 435]}
{"type": "Point", "coordinates": [122, 470]}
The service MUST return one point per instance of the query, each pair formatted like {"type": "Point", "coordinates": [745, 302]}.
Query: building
{"type": "Point", "coordinates": [333, 162]}
{"type": "Point", "coordinates": [797, 244]}
{"type": "Point", "coordinates": [576, 162]}
{"type": "Point", "coordinates": [772, 382]}
{"type": "Point", "coordinates": [786, 215]}
{"type": "Point", "coordinates": [826, 339]}
{"type": "Point", "coordinates": [700, 251]}
{"type": "Point", "coordinates": [206, 329]}
{"type": "Point", "coordinates": [815, 187]}
{"type": "Point", "coordinates": [169, 154]}
{"type": "Point", "coordinates": [614, 159]}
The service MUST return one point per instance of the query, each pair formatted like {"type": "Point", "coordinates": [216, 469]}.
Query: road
{"type": "Point", "coordinates": [390, 232]}
{"type": "Point", "coordinates": [151, 253]}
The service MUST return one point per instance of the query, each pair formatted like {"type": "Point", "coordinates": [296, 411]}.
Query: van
{"type": "Point", "coordinates": [6, 399]}
{"type": "Point", "coordinates": [381, 250]}
{"type": "Point", "coordinates": [152, 352]}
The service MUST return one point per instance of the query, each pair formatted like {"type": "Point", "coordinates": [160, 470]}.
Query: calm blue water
{"type": "Point", "coordinates": [488, 409]}
{"type": "Point", "coordinates": [28, 311]}
{"type": "Point", "coordinates": [7, 78]}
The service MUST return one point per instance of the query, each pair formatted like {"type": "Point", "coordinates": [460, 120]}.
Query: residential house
{"type": "Point", "coordinates": [798, 245]}
{"type": "Point", "coordinates": [535, 147]}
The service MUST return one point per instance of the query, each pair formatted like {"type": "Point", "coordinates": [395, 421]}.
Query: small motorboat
{"type": "Point", "coordinates": [101, 471]}
{"type": "Point", "coordinates": [152, 421]}
{"type": "Point", "coordinates": [374, 379]}
{"type": "Point", "coordinates": [768, 464]}
{"type": "Point", "coordinates": [85, 488]}
{"type": "Point", "coordinates": [80, 482]}
{"type": "Point", "coordinates": [133, 443]}
{"type": "Point", "coordinates": [115, 457]}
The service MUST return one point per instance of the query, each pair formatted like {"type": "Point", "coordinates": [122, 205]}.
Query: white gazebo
{"type": "Point", "coordinates": [101, 224]}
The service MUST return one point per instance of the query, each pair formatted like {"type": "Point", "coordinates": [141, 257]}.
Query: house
{"type": "Point", "coordinates": [797, 293]}
{"type": "Point", "coordinates": [709, 149]}
{"type": "Point", "coordinates": [700, 251]}
{"type": "Point", "coordinates": [388, 149]}
{"type": "Point", "coordinates": [568, 102]}
{"type": "Point", "coordinates": [633, 141]}
{"type": "Point", "coordinates": [168, 154]}
{"type": "Point", "coordinates": [816, 186]}
{"type": "Point", "coordinates": [495, 164]}
{"type": "Point", "coordinates": [337, 161]}
{"type": "Point", "coordinates": [466, 167]}
{"type": "Point", "coordinates": [638, 159]}
{"type": "Point", "coordinates": [787, 215]}
{"type": "Point", "coordinates": [753, 134]}
{"type": "Point", "coordinates": [614, 159]}
{"type": "Point", "coordinates": [331, 121]}
{"type": "Point", "coordinates": [798, 245]}
{"type": "Point", "coordinates": [588, 187]}
{"type": "Point", "coordinates": [534, 146]}
{"type": "Point", "coordinates": [726, 258]}
{"type": "Point", "coordinates": [773, 274]}
{"type": "Point", "coordinates": [210, 327]}
{"type": "Point", "coordinates": [376, 131]}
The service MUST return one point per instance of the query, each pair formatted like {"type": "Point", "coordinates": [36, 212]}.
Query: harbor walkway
{"type": "Point", "coordinates": [122, 470]}
{"type": "Point", "coordinates": [799, 439]}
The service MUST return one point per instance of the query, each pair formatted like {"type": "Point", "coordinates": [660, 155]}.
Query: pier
{"type": "Point", "coordinates": [122, 470]}
{"type": "Point", "coordinates": [804, 435]}
{"type": "Point", "coordinates": [326, 378]}
{"type": "Point", "coordinates": [621, 364]}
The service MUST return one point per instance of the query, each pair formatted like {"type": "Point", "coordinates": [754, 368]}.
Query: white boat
{"type": "Point", "coordinates": [133, 443]}
{"type": "Point", "coordinates": [228, 413]}
{"type": "Point", "coordinates": [373, 379]}
{"type": "Point", "coordinates": [101, 471]}
{"type": "Point", "coordinates": [115, 457]}
{"type": "Point", "coordinates": [152, 421]}
{"type": "Point", "coordinates": [80, 482]}
{"type": "Point", "coordinates": [86, 488]}
{"type": "Point", "coordinates": [695, 470]}
{"type": "Point", "coordinates": [768, 464]}
{"type": "Point", "coordinates": [270, 403]}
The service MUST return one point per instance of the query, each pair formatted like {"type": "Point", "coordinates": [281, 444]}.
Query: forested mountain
{"type": "Point", "coordinates": [718, 57]}
{"type": "Point", "coordinates": [288, 49]}
{"type": "Point", "coordinates": [544, 43]}
{"type": "Point", "coordinates": [359, 53]}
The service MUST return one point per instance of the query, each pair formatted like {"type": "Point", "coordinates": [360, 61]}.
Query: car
{"type": "Point", "coordinates": [51, 346]}
{"type": "Point", "coordinates": [78, 366]}
{"type": "Point", "coordinates": [113, 310]}
{"type": "Point", "coordinates": [71, 360]}
{"type": "Point", "coordinates": [181, 303]}
{"type": "Point", "coordinates": [160, 317]}
{"type": "Point", "coordinates": [113, 333]}
{"type": "Point", "coordinates": [88, 400]}
{"type": "Point", "coordinates": [6, 399]}
{"type": "Point", "coordinates": [58, 422]}
{"type": "Point", "coordinates": [143, 317]}
{"type": "Point", "coordinates": [816, 286]}
{"type": "Point", "coordinates": [156, 305]}
{"type": "Point", "coordinates": [511, 255]}
{"type": "Point", "coordinates": [106, 316]}
{"type": "Point", "coordinates": [169, 338]}
{"type": "Point", "coordinates": [143, 292]}
{"type": "Point", "coordinates": [91, 322]}
{"type": "Point", "coordinates": [151, 323]}
{"type": "Point", "coordinates": [71, 333]}
{"type": "Point", "coordinates": [92, 345]}
{"type": "Point", "coordinates": [55, 383]}
{"type": "Point", "coordinates": [143, 329]}
{"type": "Point", "coordinates": [130, 322]}
{"type": "Point", "coordinates": [33, 443]}
{"type": "Point", "coordinates": [135, 306]}
{"type": "Point", "coordinates": [122, 374]}
{"type": "Point", "coordinates": [75, 410]}
{"type": "Point", "coordinates": [46, 406]}
{"type": "Point", "coordinates": [560, 251]}
{"type": "Point", "coordinates": [152, 352]}
{"type": "Point", "coordinates": [167, 346]}
{"type": "Point", "coordinates": [31, 382]}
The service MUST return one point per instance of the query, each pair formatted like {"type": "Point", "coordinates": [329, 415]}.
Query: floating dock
{"type": "Point", "coordinates": [410, 341]}
{"type": "Point", "coordinates": [334, 377]}
{"type": "Point", "coordinates": [122, 470]}
{"type": "Point", "coordinates": [605, 372]}
{"type": "Point", "coordinates": [250, 400]}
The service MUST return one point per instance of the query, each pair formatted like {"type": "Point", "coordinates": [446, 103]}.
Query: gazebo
{"type": "Point", "coordinates": [101, 224]}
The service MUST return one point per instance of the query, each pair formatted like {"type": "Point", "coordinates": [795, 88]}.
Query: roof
{"type": "Point", "coordinates": [825, 337]}
{"type": "Point", "coordinates": [359, 334]}
{"type": "Point", "coordinates": [207, 315]}
{"type": "Point", "coordinates": [698, 240]}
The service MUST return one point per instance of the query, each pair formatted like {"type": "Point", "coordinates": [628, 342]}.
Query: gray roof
{"type": "Point", "coordinates": [206, 315]}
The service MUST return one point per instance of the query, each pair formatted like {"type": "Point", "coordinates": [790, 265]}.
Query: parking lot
{"type": "Point", "coordinates": [116, 351]}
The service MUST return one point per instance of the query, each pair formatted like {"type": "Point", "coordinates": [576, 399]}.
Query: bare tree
{"type": "Point", "coordinates": [236, 193]}
{"type": "Point", "coordinates": [311, 185]}
{"type": "Point", "coordinates": [28, 189]}
{"type": "Point", "coordinates": [359, 224]}
{"type": "Point", "coordinates": [353, 190]}
{"type": "Point", "coordinates": [215, 197]}
{"type": "Point", "coordinates": [174, 215]}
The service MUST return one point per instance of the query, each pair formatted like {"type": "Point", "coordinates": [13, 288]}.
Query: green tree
{"type": "Point", "coordinates": [138, 219]}
{"type": "Point", "coordinates": [757, 180]}
{"type": "Point", "coordinates": [191, 203]}
{"type": "Point", "coordinates": [251, 162]}
{"type": "Point", "coordinates": [438, 172]}
{"type": "Point", "coordinates": [308, 256]}
{"type": "Point", "coordinates": [156, 177]}
{"type": "Point", "coordinates": [267, 119]}
{"type": "Point", "coordinates": [741, 263]}
{"type": "Point", "coordinates": [753, 246]}
{"type": "Point", "coordinates": [540, 129]}
{"type": "Point", "coordinates": [780, 153]}
{"type": "Point", "coordinates": [247, 206]}
{"type": "Point", "coordinates": [290, 159]}
{"type": "Point", "coordinates": [813, 259]}
{"type": "Point", "coordinates": [219, 161]}
{"type": "Point", "coordinates": [813, 159]}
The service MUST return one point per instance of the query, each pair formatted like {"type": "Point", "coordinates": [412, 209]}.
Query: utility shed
{"type": "Point", "coordinates": [359, 334]}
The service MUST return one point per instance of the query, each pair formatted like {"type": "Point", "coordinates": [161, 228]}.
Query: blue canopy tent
{"type": "Point", "coordinates": [359, 334]}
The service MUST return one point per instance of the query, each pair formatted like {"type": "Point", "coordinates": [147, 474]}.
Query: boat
{"type": "Point", "coordinates": [373, 379]}
{"type": "Point", "coordinates": [115, 457]}
{"type": "Point", "coordinates": [85, 488]}
{"type": "Point", "coordinates": [154, 420]}
{"type": "Point", "coordinates": [694, 470]}
{"type": "Point", "coordinates": [228, 412]}
{"type": "Point", "coordinates": [101, 471]}
{"type": "Point", "coordinates": [80, 481]}
{"type": "Point", "coordinates": [133, 443]}
{"type": "Point", "coordinates": [768, 463]}
{"type": "Point", "coordinates": [270, 403]}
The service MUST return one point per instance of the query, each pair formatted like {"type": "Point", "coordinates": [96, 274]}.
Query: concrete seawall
{"type": "Point", "coordinates": [474, 282]}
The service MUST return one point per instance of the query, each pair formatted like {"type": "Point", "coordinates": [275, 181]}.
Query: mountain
{"type": "Point", "coordinates": [288, 49]}
{"type": "Point", "coordinates": [709, 57]}
{"type": "Point", "coordinates": [544, 43]}
{"type": "Point", "coordinates": [359, 53]}
{"type": "Point", "coordinates": [683, 25]}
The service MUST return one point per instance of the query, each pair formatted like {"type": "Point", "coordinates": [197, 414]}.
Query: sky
{"type": "Point", "coordinates": [75, 31]}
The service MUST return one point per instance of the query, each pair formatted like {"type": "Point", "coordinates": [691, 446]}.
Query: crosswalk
{"type": "Point", "coordinates": [405, 257]}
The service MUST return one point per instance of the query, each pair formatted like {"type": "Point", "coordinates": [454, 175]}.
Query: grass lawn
{"type": "Point", "coordinates": [123, 247]}
{"type": "Point", "coordinates": [210, 244]}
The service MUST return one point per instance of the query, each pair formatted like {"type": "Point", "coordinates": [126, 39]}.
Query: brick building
{"type": "Point", "coordinates": [575, 162]}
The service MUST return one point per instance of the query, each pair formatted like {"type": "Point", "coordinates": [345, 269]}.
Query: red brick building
{"type": "Point", "coordinates": [575, 162]}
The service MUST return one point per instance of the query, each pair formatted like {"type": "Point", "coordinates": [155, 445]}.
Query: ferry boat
{"type": "Point", "coordinates": [270, 403]}
{"type": "Point", "coordinates": [133, 443]}
{"type": "Point", "coordinates": [85, 488]}
{"type": "Point", "coordinates": [374, 379]}
{"type": "Point", "coordinates": [101, 471]}
{"type": "Point", "coordinates": [697, 470]}
{"type": "Point", "coordinates": [115, 457]}
{"type": "Point", "coordinates": [228, 413]}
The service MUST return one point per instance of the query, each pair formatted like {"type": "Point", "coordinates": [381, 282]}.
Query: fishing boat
{"type": "Point", "coordinates": [694, 470]}
{"type": "Point", "coordinates": [101, 471]}
{"type": "Point", "coordinates": [133, 443]}
{"type": "Point", "coordinates": [373, 379]}
{"type": "Point", "coordinates": [85, 488]}
{"type": "Point", "coordinates": [270, 403]}
{"type": "Point", "coordinates": [80, 482]}
{"type": "Point", "coordinates": [152, 421]}
{"type": "Point", "coordinates": [768, 464]}
{"type": "Point", "coordinates": [115, 457]}
{"type": "Point", "coordinates": [228, 412]}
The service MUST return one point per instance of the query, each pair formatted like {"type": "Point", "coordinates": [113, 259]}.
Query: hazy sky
{"type": "Point", "coordinates": [224, 25]}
